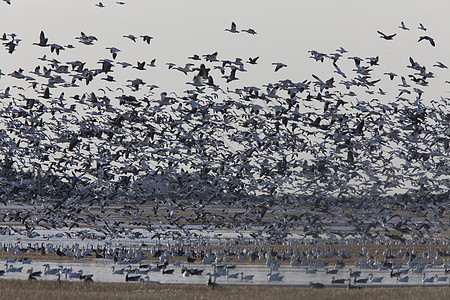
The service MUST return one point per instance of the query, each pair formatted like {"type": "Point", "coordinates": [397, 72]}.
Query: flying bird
{"type": "Point", "coordinates": [131, 37]}
{"type": "Point", "coordinates": [278, 66]}
{"type": "Point", "coordinates": [402, 26]}
{"type": "Point", "coordinates": [421, 27]}
{"type": "Point", "coordinates": [146, 38]}
{"type": "Point", "coordinates": [426, 37]}
{"type": "Point", "coordinates": [249, 31]}
{"type": "Point", "coordinates": [42, 40]}
{"type": "Point", "coordinates": [233, 28]}
{"type": "Point", "coordinates": [386, 37]}
{"type": "Point", "coordinates": [252, 61]}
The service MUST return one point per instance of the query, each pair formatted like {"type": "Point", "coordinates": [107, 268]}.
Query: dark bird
{"type": "Point", "coordinates": [252, 60]}
{"type": "Point", "coordinates": [386, 37]}
{"type": "Point", "coordinates": [42, 40]}
{"type": "Point", "coordinates": [421, 27]}
{"type": "Point", "coordinates": [233, 28]}
{"type": "Point", "coordinates": [46, 93]}
{"type": "Point", "coordinates": [278, 66]}
{"type": "Point", "coordinates": [146, 38]}
{"type": "Point", "coordinates": [132, 278]}
{"type": "Point", "coordinates": [426, 37]}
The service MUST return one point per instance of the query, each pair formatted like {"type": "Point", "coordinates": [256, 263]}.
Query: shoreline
{"type": "Point", "coordinates": [18, 289]}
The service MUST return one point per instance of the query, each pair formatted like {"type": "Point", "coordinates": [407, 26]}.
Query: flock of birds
{"type": "Point", "coordinates": [80, 146]}
{"type": "Point", "coordinates": [133, 264]}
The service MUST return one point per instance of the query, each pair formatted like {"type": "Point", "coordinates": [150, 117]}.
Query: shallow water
{"type": "Point", "coordinates": [102, 271]}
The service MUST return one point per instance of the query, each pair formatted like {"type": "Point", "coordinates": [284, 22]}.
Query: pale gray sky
{"type": "Point", "coordinates": [286, 30]}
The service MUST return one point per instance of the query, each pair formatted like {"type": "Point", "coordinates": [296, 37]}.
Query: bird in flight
{"type": "Point", "coordinates": [233, 28]}
{"type": "Point", "coordinates": [42, 40]}
{"type": "Point", "coordinates": [421, 27]}
{"type": "Point", "coordinates": [146, 38]}
{"type": "Point", "coordinates": [403, 26]}
{"type": "Point", "coordinates": [386, 37]}
{"type": "Point", "coordinates": [426, 37]}
{"type": "Point", "coordinates": [249, 31]}
{"type": "Point", "coordinates": [278, 66]}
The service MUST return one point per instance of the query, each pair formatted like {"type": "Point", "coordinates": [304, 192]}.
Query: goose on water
{"type": "Point", "coordinates": [428, 280]}
{"type": "Point", "coordinates": [338, 281]}
{"type": "Point", "coordinates": [402, 279]}
{"type": "Point", "coordinates": [246, 277]}
{"type": "Point", "coordinates": [374, 279]}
